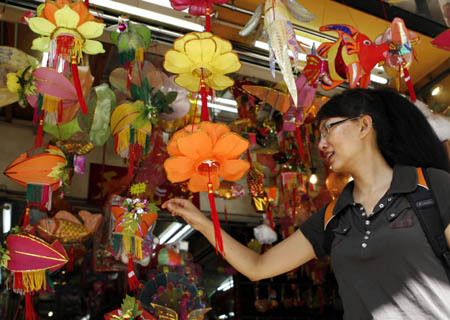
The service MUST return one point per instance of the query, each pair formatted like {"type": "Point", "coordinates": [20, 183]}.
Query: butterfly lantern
{"type": "Point", "coordinates": [203, 153]}
{"type": "Point", "coordinates": [401, 53]}
{"type": "Point", "coordinates": [134, 218]}
{"type": "Point", "coordinates": [350, 58]}
{"type": "Point", "coordinates": [66, 30]}
{"type": "Point", "coordinates": [41, 174]}
{"type": "Point", "coordinates": [29, 260]}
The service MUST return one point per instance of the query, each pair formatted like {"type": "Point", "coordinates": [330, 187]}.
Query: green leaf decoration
{"type": "Point", "coordinates": [143, 34]}
{"type": "Point", "coordinates": [153, 208]}
{"type": "Point", "coordinates": [115, 37]}
{"type": "Point", "coordinates": [130, 305]}
{"type": "Point", "coordinates": [4, 257]}
{"type": "Point", "coordinates": [64, 131]}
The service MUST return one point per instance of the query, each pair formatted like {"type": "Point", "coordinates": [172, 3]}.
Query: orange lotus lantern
{"type": "Point", "coordinates": [201, 154]}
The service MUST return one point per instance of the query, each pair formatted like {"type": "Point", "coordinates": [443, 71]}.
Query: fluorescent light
{"type": "Point", "coordinates": [227, 102]}
{"type": "Point", "coordinates": [213, 105]}
{"type": "Point", "coordinates": [169, 232]}
{"type": "Point", "coordinates": [182, 234]}
{"type": "Point", "coordinates": [226, 285]}
{"type": "Point", "coordinates": [109, 4]}
{"type": "Point", "coordinates": [378, 79]}
{"type": "Point", "coordinates": [6, 217]}
{"type": "Point", "coordinates": [264, 46]}
{"type": "Point", "coordinates": [436, 91]}
{"type": "Point", "coordinates": [163, 3]}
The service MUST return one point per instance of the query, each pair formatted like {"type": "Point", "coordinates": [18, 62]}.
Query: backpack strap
{"type": "Point", "coordinates": [327, 226]}
{"type": "Point", "coordinates": [425, 207]}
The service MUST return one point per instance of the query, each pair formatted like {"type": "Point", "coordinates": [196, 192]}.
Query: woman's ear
{"type": "Point", "coordinates": [366, 125]}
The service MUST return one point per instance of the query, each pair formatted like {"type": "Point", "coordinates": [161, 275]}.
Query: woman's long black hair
{"type": "Point", "coordinates": [404, 135]}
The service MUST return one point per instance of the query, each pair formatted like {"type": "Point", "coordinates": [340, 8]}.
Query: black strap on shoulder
{"type": "Point", "coordinates": [424, 204]}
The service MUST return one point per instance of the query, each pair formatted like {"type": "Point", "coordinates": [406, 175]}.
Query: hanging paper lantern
{"type": "Point", "coordinates": [197, 8]}
{"type": "Point", "coordinates": [134, 218]}
{"type": "Point", "coordinates": [66, 30]}
{"type": "Point", "coordinates": [203, 153]}
{"type": "Point", "coordinates": [130, 309]}
{"type": "Point", "coordinates": [132, 41]}
{"type": "Point", "coordinates": [201, 61]}
{"type": "Point", "coordinates": [30, 258]}
{"type": "Point", "coordinates": [400, 54]}
{"type": "Point", "coordinates": [15, 68]}
{"type": "Point", "coordinates": [131, 129]}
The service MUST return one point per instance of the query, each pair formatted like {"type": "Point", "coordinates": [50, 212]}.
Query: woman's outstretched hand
{"type": "Point", "coordinates": [186, 210]}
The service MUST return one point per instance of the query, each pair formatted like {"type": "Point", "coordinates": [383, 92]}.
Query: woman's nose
{"type": "Point", "coordinates": [322, 144]}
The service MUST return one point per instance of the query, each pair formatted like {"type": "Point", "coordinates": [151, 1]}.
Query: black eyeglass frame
{"type": "Point", "coordinates": [333, 124]}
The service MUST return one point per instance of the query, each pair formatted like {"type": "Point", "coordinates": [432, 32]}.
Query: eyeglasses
{"type": "Point", "coordinates": [324, 135]}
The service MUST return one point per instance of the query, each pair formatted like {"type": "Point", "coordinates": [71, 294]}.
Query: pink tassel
{"type": "Point", "coordinates": [76, 82]}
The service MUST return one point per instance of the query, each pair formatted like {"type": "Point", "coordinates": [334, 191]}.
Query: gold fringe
{"type": "Point", "coordinates": [139, 54]}
{"type": "Point", "coordinates": [138, 248]}
{"type": "Point", "coordinates": [123, 141]}
{"type": "Point", "coordinates": [141, 137]}
{"type": "Point", "coordinates": [126, 240]}
{"type": "Point", "coordinates": [34, 281]}
{"type": "Point", "coordinates": [76, 50]}
{"type": "Point", "coordinates": [50, 104]}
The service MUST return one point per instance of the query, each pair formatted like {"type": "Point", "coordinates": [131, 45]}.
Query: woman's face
{"type": "Point", "coordinates": [339, 142]}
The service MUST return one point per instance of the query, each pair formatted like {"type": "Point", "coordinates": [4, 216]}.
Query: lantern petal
{"type": "Point", "coordinates": [93, 47]}
{"type": "Point", "coordinates": [225, 63]}
{"type": "Point", "coordinates": [49, 11]}
{"type": "Point", "coordinates": [230, 146]}
{"type": "Point", "coordinates": [201, 52]}
{"type": "Point", "coordinates": [215, 130]}
{"type": "Point", "coordinates": [67, 18]}
{"type": "Point", "coordinates": [233, 169]}
{"type": "Point", "coordinates": [172, 147]}
{"type": "Point", "coordinates": [197, 145]}
{"type": "Point", "coordinates": [40, 25]}
{"type": "Point", "coordinates": [222, 45]}
{"type": "Point", "coordinates": [188, 81]}
{"type": "Point", "coordinates": [179, 169]}
{"type": "Point", "coordinates": [91, 29]}
{"type": "Point", "coordinates": [200, 182]}
{"type": "Point", "coordinates": [177, 62]}
{"type": "Point", "coordinates": [178, 44]}
{"type": "Point", "coordinates": [219, 82]}
{"type": "Point", "coordinates": [41, 44]}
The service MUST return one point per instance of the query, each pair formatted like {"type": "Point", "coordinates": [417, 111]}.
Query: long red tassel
{"type": "Point", "coordinates": [412, 93]}
{"type": "Point", "coordinates": [298, 137]}
{"type": "Point", "coordinates": [216, 222]}
{"type": "Point", "coordinates": [38, 141]}
{"type": "Point", "coordinates": [204, 95]}
{"type": "Point", "coordinates": [208, 20]}
{"type": "Point", "coordinates": [18, 281]}
{"type": "Point", "coordinates": [29, 310]}
{"type": "Point", "coordinates": [133, 282]}
{"type": "Point", "coordinates": [76, 82]}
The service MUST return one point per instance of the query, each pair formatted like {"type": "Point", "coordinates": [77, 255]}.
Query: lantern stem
{"type": "Point", "coordinates": [204, 95]}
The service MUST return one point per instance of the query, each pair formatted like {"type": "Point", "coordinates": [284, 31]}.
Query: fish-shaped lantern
{"type": "Point", "coordinates": [30, 257]}
{"type": "Point", "coordinates": [350, 58]}
{"type": "Point", "coordinates": [66, 228]}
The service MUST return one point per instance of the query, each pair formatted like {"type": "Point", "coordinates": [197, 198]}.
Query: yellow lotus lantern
{"type": "Point", "coordinates": [66, 29]}
{"type": "Point", "coordinates": [201, 61]}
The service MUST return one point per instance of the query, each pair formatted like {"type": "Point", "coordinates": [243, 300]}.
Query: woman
{"type": "Point", "coordinates": [381, 258]}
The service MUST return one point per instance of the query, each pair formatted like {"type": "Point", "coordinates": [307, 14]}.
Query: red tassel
{"type": "Point", "coordinates": [298, 137]}
{"type": "Point", "coordinates": [133, 282]}
{"type": "Point", "coordinates": [60, 111]}
{"type": "Point", "coordinates": [131, 162]}
{"type": "Point", "coordinates": [216, 222]}
{"type": "Point", "coordinates": [71, 262]}
{"type": "Point", "coordinates": [86, 3]}
{"type": "Point", "coordinates": [26, 218]}
{"type": "Point", "coordinates": [204, 95]}
{"type": "Point", "coordinates": [18, 281]}
{"type": "Point", "coordinates": [29, 310]}
{"type": "Point", "coordinates": [412, 93]}
{"type": "Point", "coordinates": [38, 141]}
{"type": "Point", "coordinates": [269, 217]}
{"type": "Point", "coordinates": [76, 82]}
{"type": "Point", "coordinates": [208, 20]}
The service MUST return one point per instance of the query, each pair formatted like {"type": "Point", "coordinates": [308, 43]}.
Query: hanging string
{"type": "Point", "coordinates": [215, 216]}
